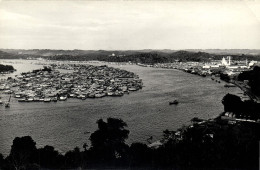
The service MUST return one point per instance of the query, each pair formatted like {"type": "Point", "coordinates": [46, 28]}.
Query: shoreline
{"type": "Point", "coordinates": [246, 91]}
{"type": "Point", "coordinates": [153, 115]}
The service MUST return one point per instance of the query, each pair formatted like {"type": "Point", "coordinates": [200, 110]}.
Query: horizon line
{"type": "Point", "coordinates": [130, 49]}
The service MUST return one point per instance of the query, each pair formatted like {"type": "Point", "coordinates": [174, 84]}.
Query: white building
{"type": "Point", "coordinates": [224, 61]}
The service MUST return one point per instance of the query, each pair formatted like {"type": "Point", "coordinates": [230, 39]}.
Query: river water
{"type": "Point", "coordinates": [147, 112]}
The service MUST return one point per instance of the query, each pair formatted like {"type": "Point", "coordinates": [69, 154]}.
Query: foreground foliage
{"type": "Point", "coordinates": [253, 76]}
{"type": "Point", "coordinates": [5, 68]}
{"type": "Point", "coordinates": [208, 144]}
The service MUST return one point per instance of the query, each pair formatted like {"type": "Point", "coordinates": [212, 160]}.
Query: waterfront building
{"type": "Point", "coordinates": [224, 62]}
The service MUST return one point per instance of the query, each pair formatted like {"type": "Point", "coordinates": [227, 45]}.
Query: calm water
{"type": "Point", "coordinates": [147, 112]}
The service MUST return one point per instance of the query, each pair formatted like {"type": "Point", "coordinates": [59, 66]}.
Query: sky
{"type": "Point", "coordinates": [129, 25]}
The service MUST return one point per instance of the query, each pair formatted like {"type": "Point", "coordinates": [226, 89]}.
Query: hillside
{"type": "Point", "coordinates": [148, 56]}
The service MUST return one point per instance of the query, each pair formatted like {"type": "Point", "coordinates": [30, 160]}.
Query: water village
{"type": "Point", "coordinates": [62, 81]}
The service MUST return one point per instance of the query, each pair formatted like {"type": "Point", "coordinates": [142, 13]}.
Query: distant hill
{"type": "Point", "coordinates": [138, 56]}
{"type": "Point", "coordinates": [228, 51]}
{"type": "Point", "coordinates": [44, 52]}
{"type": "Point", "coordinates": [8, 55]}
{"type": "Point", "coordinates": [48, 52]}
{"type": "Point", "coordinates": [4, 55]}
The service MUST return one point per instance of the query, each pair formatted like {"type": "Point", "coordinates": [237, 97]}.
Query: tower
{"type": "Point", "coordinates": [224, 62]}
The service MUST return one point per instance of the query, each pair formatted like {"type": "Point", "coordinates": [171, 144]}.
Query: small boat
{"type": "Point", "coordinates": [91, 95]}
{"type": "Point", "coordinates": [41, 100]}
{"type": "Point", "coordinates": [47, 99]}
{"type": "Point", "coordinates": [229, 85]}
{"type": "Point", "coordinates": [203, 74]}
{"type": "Point", "coordinates": [110, 93]}
{"type": "Point", "coordinates": [118, 94]}
{"type": "Point", "coordinates": [22, 100]}
{"type": "Point", "coordinates": [72, 95]}
{"type": "Point", "coordinates": [36, 99]}
{"type": "Point", "coordinates": [173, 102]}
{"type": "Point", "coordinates": [63, 98]}
{"type": "Point", "coordinates": [54, 99]}
{"type": "Point", "coordinates": [30, 99]}
{"type": "Point", "coordinates": [132, 89]}
{"type": "Point", "coordinates": [8, 92]}
{"type": "Point", "coordinates": [81, 96]}
{"type": "Point", "coordinates": [18, 96]}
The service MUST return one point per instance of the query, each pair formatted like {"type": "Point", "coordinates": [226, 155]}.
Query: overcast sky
{"type": "Point", "coordinates": [118, 25]}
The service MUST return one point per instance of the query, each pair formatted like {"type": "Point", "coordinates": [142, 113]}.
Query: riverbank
{"type": "Point", "coordinates": [147, 111]}
{"type": "Point", "coordinates": [197, 68]}
{"type": "Point", "coordinates": [246, 90]}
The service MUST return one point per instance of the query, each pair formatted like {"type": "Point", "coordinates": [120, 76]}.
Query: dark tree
{"type": "Point", "coordinates": [23, 153]}
{"type": "Point", "coordinates": [4, 68]}
{"type": "Point", "coordinates": [254, 79]}
{"type": "Point", "coordinates": [1, 161]}
{"type": "Point", "coordinates": [254, 82]}
{"type": "Point", "coordinates": [139, 155]}
{"type": "Point", "coordinates": [232, 103]}
{"type": "Point", "coordinates": [73, 158]}
{"type": "Point", "coordinates": [108, 142]}
{"type": "Point", "coordinates": [50, 158]}
{"type": "Point", "coordinates": [224, 77]}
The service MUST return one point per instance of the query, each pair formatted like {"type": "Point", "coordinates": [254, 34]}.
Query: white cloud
{"type": "Point", "coordinates": [129, 24]}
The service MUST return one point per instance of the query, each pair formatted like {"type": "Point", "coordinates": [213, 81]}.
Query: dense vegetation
{"type": "Point", "coordinates": [224, 77]}
{"type": "Point", "coordinates": [253, 76]}
{"type": "Point", "coordinates": [5, 55]}
{"type": "Point", "coordinates": [212, 144]}
{"type": "Point", "coordinates": [241, 109]}
{"type": "Point", "coordinates": [153, 57]}
{"type": "Point", "coordinates": [5, 68]}
{"type": "Point", "coordinates": [135, 56]}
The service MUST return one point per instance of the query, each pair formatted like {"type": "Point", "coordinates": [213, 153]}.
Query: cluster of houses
{"type": "Point", "coordinates": [63, 81]}
{"type": "Point", "coordinates": [225, 66]}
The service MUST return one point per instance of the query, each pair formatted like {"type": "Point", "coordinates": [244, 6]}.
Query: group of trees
{"type": "Point", "coordinates": [161, 57]}
{"type": "Point", "coordinates": [242, 109]}
{"type": "Point", "coordinates": [206, 145]}
{"type": "Point", "coordinates": [5, 68]}
{"type": "Point", "coordinates": [135, 56]}
{"type": "Point", "coordinates": [7, 55]}
{"type": "Point", "coordinates": [107, 148]}
{"type": "Point", "coordinates": [253, 76]}
{"type": "Point", "coordinates": [224, 77]}
{"type": "Point", "coordinates": [45, 68]}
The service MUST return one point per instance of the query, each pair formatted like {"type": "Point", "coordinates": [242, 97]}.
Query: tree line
{"type": "Point", "coordinates": [211, 144]}
{"type": "Point", "coordinates": [253, 77]}
{"type": "Point", "coordinates": [5, 68]}
{"type": "Point", "coordinates": [247, 109]}
{"type": "Point", "coordinates": [152, 57]}
{"type": "Point", "coordinates": [144, 57]}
